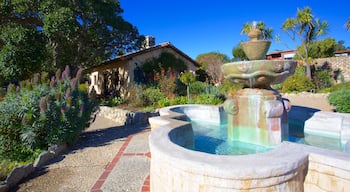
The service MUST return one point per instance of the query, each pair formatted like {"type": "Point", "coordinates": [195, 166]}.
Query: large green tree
{"type": "Point", "coordinates": [211, 62]}
{"type": "Point", "coordinates": [304, 29]}
{"type": "Point", "coordinates": [348, 24]}
{"type": "Point", "coordinates": [320, 49]}
{"type": "Point", "coordinates": [75, 33]}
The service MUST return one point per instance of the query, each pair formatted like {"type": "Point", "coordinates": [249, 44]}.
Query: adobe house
{"type": "Point", "coordinates": [117, 75]}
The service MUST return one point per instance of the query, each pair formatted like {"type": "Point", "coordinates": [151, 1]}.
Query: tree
{"type": "Point", "coordinates": [318, 49]}
{"type": "Point", "coordinates": [348, 24]}
{"type": "Point", "coordinates": [76, 33]}
{"type": "Point", "coordinates": [187, 78]}
{"type": "Point", "coordinates": [21, 53]}
{"type": "Point", "coordinates": [266, 32]}
{"type": "Point", "coordinates": [306, 28]}
{"type": "Point", "coordinates": [238, 52]}
{"type": "Point", "coordinates": [212, 65]}
{"type": "Point", "coordinates": [340, 45]}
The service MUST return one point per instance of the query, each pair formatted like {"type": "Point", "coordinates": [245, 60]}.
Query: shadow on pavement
{"type": "Point", "coordinates": [297, 117]}
{"type": "Point", "coordinates": [91, 138]}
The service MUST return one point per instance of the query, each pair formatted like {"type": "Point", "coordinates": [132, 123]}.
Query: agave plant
{"type": "Point", "coordinates": [266, 32]}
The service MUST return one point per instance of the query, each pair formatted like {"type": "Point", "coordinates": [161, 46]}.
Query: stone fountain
{"type": "Point", "coordinates": [257, 113]}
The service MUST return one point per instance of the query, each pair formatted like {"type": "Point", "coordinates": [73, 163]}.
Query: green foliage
{"type": "Point", "coordinates": [166, 82]}
{"type": "Point", "coordinates": [112, 101]}
{"type": "Point", "coordinates": [21, 52]}
{"type": "Point", "coordinates": [151, 96]}
{"type": "Point", "coordinates": [336, 87]}
{"type": "Point", "coordinates": [79, 33]}
{"type": "Point", "coordinates": [198, 87]}
{"type": "Point", "coordinates": [318, 49]}
{"type": "Point", "coordinates": [227, 87]}
{"type": "Point", "coordinates": [41, 115]}
{"type": "Point", "coordinates": [238, 53]}
{"type": "Point", "coordinates": [305, 28]}
{"type": "Point", "coordinates": [298, 82]}
{"type": "Point", "coordinates": [323, 78]}
{"type": "Point", "coordinates": [7, 165]}
{"type": "Point", "coordinates": [266, 32]}
{"type": "Point", "coordinates": [165, 61]}
{"type": "Point", "coordinates": [187, 78]}
{"type": "Point", "coordinates": [175, 101]}
{"type": "Point", "coordinates": [208, 99]}
{"type": "Point", "coordinates": [211, 63]}
{"type": "Point", "coordinates": [340, 99]}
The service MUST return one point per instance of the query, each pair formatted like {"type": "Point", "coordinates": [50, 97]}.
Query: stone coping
{"type": "Point", "coordinates": [274, 167]}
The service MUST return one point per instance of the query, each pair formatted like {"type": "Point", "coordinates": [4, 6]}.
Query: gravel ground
{"type": "Point", "coordinates": [81, 166]}
{"type": "Point", "coordinates": [318, 101]}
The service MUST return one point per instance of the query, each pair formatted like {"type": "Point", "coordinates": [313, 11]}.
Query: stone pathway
{"type": "Point", "coordinates": [108, 157]}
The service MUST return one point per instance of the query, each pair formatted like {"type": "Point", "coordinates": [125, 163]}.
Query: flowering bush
{"type": "Point", "coordinates": [41, 113]}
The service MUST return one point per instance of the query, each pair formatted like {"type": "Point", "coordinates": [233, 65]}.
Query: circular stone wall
{"type": "Point", "coordinates": [175, 168]}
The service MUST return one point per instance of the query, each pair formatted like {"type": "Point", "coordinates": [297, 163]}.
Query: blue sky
{"type": "Point", "coordinates": [198, 27]}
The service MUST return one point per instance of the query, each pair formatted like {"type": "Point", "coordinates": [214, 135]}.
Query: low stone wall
{"type": "Point", "coordinates": [21, 172]}
{"type": "Point", "coordinates": [337, 63]}
{"type": "Point", "coordinates": [326, 173]}
{"type": "Point", "coordinates": [125, 117]}
{"type": "Point", "coordinates": [329, 123]}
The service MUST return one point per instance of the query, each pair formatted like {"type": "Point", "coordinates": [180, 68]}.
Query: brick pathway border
{"type": "Point", "coordinates": [146, 185]}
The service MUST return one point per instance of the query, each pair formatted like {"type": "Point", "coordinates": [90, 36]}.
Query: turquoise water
{"type": "Point", "coordinates": [212, 138]}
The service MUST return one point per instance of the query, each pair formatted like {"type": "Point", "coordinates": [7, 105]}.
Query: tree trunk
{"type": "Point", "coordinates": [308, 68]}
{"type": "Point", "coordinates": [188, 93]}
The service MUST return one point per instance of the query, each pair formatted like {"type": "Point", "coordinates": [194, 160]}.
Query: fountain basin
{"type": "Point", "coordinates": [258, 73]}
{"type": "Point", "coordinates": [256, 50]}
{"type": "Point", "coordinates": [285, 168]}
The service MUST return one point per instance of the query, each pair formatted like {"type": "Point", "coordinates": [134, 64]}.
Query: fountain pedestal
{"type": "Point", "coordinates": [257, 116]}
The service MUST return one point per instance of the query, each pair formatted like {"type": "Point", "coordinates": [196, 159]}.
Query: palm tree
{"type": "Point", "coordinates": [266, 32]}
{"type": "Point", "coordinates": [306, 28]}
{"type": "Point", "coordinates": [348, 24]}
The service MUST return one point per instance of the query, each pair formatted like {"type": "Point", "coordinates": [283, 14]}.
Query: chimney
{"type": "Point", "coordinates": [150, 41]}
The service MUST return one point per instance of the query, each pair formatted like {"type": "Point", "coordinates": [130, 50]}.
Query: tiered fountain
{"type": "Point", "coordinates": [257, 113]}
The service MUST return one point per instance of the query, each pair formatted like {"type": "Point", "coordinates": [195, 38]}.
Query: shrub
{"type": "Point", "coordinates": [336, 87]}
{"type": "Point", "coordinates": [112, 101]}
{"type": "Point", "coordinates": [208, 99]}
{"type": "Point", "coordinates": [340, 99]}
{"type": "Point", "coordinates": [41, 114]}
{"type": "Point", "coordinates": [323, 78]}
{"type": "Point", "coordinates": [228, 87]}
{"type": "Point", "coordinates": [198, 87]}
{"type": "Point", "coordinates": [297, 83]}
{"type": "Point", "coordinates": [151, 96]}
